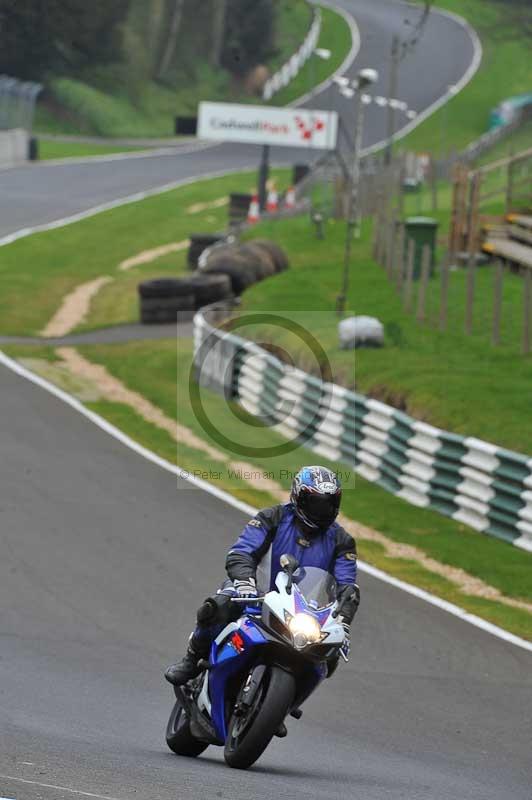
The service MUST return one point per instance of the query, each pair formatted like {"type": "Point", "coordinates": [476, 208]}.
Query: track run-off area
{"type": "Point", "coordinates": [106, 555]}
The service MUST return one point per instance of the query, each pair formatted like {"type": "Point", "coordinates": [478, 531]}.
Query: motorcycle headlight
{"type": "Point", "coordinates": [305, 630]}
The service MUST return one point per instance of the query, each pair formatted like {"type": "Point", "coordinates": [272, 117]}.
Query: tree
{"type": "Point", "coordinates": [219, 12]}
{"type": "Point", "coordinates": [249, 35]}
{"type": "Point", "coordinates": [40, 36]}
{"type": "Point", "coordinates": [168, 50]}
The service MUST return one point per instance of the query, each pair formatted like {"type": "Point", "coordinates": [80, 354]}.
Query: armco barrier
{"type": "Point", "coordinates": [293, 66]}
{"type": "Point", "coordinates": [483, 486]}
{"type": "Point", "coordinates": [13, 147]}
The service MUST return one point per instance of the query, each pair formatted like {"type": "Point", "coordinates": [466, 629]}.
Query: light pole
{"type": "Point", "coordinates": [392, 92]}
{"type": "Point", "coordinates": [365, 78]}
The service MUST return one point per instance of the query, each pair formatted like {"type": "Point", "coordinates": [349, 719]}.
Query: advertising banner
{"type": "Point", "coordinates": [288, 127]}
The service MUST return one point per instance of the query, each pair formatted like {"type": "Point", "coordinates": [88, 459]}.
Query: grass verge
{"type": "Point", "coordinates": [38, 271]}
{"type": "Point", "coordinates": [504, 72]}
{"type": "Point", "coordinates": [52, 149]}
{"type": "Point", "coordinates": [335, 36]}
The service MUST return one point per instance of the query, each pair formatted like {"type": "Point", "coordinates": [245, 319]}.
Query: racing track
{"type": "Point", "coordinates": [102, 564]}
{"type": "Point", "coordinates": [41, 193]}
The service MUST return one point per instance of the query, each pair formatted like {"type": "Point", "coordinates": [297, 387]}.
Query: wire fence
{"type": "Point", "coordinates": [17, 103]}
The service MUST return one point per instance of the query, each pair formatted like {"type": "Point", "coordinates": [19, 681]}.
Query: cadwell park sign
{"type": "Point", "coordinates": [267, 125]}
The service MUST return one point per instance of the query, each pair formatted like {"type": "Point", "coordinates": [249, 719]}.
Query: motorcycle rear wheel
{"type": "Point", "coordinates": [178, 736]}
{"type": "Point", "coordinates": [249, 737]}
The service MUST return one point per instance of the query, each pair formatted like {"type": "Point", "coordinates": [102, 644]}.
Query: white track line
{"type": "Point", "coordinates": [57, 788]}
{"type": "Point", "coordinates": [225, 497]}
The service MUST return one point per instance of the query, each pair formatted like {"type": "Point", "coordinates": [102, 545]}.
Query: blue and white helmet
{"type": "Point", "coordinates": [316, 495]}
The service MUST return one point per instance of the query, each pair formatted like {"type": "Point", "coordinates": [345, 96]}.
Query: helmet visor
{"type": "Point", "coordinates": [320, 509]}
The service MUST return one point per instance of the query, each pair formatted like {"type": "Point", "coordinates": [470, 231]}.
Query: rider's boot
{"type": "Point", "coordinates": [188, 668]}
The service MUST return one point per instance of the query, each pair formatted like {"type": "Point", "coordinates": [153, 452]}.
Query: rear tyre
{"type": "Point", "coordinates": [178, 736]}
{"type": "Point", "coordinates": [249, 736]}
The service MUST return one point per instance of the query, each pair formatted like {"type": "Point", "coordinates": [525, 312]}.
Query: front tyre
{"type": "Point", "coordinates": [178, 735]}
{"type": "Point", "coordinates": [249, 735]}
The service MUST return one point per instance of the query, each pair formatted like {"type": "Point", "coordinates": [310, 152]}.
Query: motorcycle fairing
{"type": "Point", "coordinates": [230, 653]}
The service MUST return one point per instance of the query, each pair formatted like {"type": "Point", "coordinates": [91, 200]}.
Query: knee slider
{"type": "Point", "coordinates": [207, 612]}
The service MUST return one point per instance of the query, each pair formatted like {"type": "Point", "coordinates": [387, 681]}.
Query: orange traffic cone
{"type": "Point", "coordinates": [290, 198]}
{"type": "Point", "coordinates": [254, 210]}
{"type": "Point", "coordinates": [272, 201]}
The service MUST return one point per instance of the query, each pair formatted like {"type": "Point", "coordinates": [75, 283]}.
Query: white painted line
{"type": "Point", "coordinates": [225, 497]}
{"type": "Point", "coordinates": [57, 788]}
{"type": "Point", "coordinates": [346, 63]}
{"type": "Point", "coordinates": [122, 201]}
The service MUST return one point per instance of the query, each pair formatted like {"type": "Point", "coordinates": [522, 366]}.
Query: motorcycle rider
{"type": "Point", "coordinates": [305, 528]}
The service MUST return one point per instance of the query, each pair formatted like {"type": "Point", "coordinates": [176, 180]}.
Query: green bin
{"type": "Point", "coordinates": [423, 231]}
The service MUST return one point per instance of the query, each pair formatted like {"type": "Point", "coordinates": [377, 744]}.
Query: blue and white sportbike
{"type": "Point", "coordinates": [261, 668]}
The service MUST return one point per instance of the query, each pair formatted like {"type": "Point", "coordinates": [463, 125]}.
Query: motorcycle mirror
{"type": "Point", "coordinates": [288, 563]}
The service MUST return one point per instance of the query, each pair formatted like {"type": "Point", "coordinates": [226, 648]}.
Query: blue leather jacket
{"type": "Point", "coordinates": [275, 531]}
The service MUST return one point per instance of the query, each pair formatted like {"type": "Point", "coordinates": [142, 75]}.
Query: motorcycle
{"type": "Point", "coordinates": [261, 668]}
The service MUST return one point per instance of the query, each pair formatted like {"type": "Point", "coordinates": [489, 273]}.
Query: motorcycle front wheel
{"type": "Point", "coordinates": [250, 734]}
{"type": "Point", "coordinates": [178, 736]}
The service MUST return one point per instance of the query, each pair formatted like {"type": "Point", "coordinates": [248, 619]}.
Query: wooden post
{"type": "Point", "coordinates": [400, 192]}
{"type": "Point", "coordinates": [400, 259]}
{"type": "Point", "coordinates": [426, 258]}
{"type": "Point", "coordinates": [433, 183]}
{"type": "Point", "coordinates": [407, 288]}
{"type": "Point", "coordinates": [472, 251]}
{"type": "Point", "coordinates": [376, 225]}
{"type": "Point", "coordinates": [527, 291]}
{"type": "Point", "coordinates": [509, 183]}
{"type": "Point", "coordinates": [444, 290]}
{"type": "Point", "coordinates": [391, 244]}
{"type": "Point", "coordinates": [456, 212]}
{"type": "Point", "coordinates": [497, 304]}
{"type": "Point", "coordinates": [380, 237]}
{"type": "Point", "coordinates": [470, 294]}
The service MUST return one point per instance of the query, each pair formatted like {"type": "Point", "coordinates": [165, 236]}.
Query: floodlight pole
{"type": "Point", "coordinates": [365, 78]}
{"type": "Point", "coordinates": [392, 93]}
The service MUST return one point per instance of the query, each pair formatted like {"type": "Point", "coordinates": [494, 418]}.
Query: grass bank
{"type": "Point", "coordinates": [504, 72]}
{"type": "Point", "coordinates": [335, 36]}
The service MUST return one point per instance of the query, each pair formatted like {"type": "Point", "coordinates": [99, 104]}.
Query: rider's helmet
{"type": "Point", "coordinates": [316, 495]}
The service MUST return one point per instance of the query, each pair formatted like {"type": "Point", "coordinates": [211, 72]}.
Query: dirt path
{"type": "Point", "coordinates": [152, 255]}
{"type": "Point", "coordinates": [113, 389]}
{"type": "Point", "coordinates": [197, 208]}
{"type": "Point", "coordinates": [74, 308]}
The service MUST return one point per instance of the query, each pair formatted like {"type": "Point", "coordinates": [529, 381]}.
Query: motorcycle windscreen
{"type": "Point", "coordinates": [317, 586]}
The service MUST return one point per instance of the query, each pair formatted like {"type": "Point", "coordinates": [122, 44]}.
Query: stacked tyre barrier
{"type": "Point", "coordinates": [294, 65]}
{"type": "Point", "coordinates": [474, 482]}
{"type": "Point", "coordinates": [199, 242]}
{"type": "Point", "coordinates": [225, 270]}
